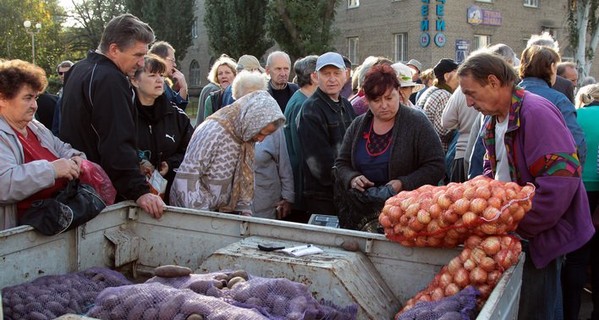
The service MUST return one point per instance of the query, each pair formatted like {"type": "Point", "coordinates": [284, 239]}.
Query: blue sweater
{"type": "Point", "coordinates": [566, 108]}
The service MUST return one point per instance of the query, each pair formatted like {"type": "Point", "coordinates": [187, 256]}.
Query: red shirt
{"type": "Point", "coordinates": [33, 150]}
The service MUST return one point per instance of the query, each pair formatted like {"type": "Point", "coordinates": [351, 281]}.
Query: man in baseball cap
{"type": "Point", "coordinates": [321, 127]}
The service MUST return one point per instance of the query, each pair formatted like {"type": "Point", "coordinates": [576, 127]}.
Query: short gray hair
{"type": "Point", "coordinates": [248, 81]}
{"type": "Point", "coordinates": [124, 31]}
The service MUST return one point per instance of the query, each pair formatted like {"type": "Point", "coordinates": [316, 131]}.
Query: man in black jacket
{"type": "Point", "coordinates": [322, 123]}
{"type": "Point", "coordinates": [98, 115]}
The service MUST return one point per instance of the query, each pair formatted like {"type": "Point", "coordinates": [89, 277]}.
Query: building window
{"type": "Point", "coordinates": [481, 41]}
{"type": "Point", "coordinates": [194, 29]}
{"type": "Point", "coordinates": [353, 3]}
{"type": "Point", "coordinates": [531, 3]}
{"type": "Point", "coordinates": [352, 49]}
{"type": "Point", "coordinates": [401, 47]}
{"type": "Point", "coordinates": [194, 73]}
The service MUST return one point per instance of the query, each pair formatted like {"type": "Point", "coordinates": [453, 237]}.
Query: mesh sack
{"type": "Point", "coordinates": [49, 297]}
{"type": "Point", "coordinates": [461, 306]}
{"type": "Point", "coordinates": [445, 216]}
{"type": "Point", "coordinates": [275, 298]}
{"type": "Point", "coordinates": [158, 301]}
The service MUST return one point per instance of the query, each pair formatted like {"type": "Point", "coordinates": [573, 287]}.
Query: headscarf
{"type": "Point", "coordinates": [243, 120]}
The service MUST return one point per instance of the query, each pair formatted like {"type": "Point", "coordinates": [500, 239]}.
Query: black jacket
{"type": "Point", "coordinates": [98, 118]}
{"type": "Point", "coordinates": [164, 130]}
{"type": "Point", "coordinates": [283, 96]}
{"type": "Point", "coordinates": [322, 125]}
{"type": "Point", "coordinates": [416, 152]}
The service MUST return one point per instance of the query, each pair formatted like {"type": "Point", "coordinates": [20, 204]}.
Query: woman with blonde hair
{"type": "Point", "coordinates": [221, 75]}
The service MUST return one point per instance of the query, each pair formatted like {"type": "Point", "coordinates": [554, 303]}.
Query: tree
{"type": "Point", "coordinates": [16, 43]}
{"type": "Point", "coordinates": [583, 28]}
{"type": "Point", "coordinates": [302, 27]}
{"type": "Point", "coordinates": [90, 17]}
{"type": "Point", "coordinates": [237, 34]}
{"type": "Point", "coordinates": [172, 20]}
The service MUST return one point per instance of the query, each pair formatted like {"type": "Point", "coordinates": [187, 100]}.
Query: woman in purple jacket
{"type": "Point", "coordinates": [527, 141]}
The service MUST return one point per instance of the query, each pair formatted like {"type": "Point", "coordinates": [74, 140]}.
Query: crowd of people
{"type": "Point", "coordinates": [334, 141]}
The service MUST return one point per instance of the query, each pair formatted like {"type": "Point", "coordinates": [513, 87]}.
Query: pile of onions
{"type": "Point", "coordinates": [445, 216]}
{"type": "Point", "coordinates": [481, 264]}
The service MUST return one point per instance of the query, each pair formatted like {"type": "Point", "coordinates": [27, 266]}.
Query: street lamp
{"type": "Point", "coordinates": [32, 32]}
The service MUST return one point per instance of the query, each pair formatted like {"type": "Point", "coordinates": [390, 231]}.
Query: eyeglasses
{"type": "Point", "coordinates": [60, 73]}
{"type": "Point", "coordinates": [173, 60]}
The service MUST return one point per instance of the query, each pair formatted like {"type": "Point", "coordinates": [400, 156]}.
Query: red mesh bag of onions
{"type": "Point", "coordinates": [481, 264]}
{"type": "Point", "coordinates": [51, 296]}
{"type": "Point", "coordinates": [445, 216]}
{"type": "Point", "coordinates": [457, 307]}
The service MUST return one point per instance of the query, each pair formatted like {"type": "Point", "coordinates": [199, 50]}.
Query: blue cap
{"type": "Point", "coordinates": [330, 59]}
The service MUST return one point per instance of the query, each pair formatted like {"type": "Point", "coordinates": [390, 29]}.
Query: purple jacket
{"type": "Point", "coordinates": [541, 150]}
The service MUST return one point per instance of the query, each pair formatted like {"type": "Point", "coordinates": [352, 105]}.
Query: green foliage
{"type": "Point", "coordinates": [172, 20]}
{"type": "Point", "coordinates": [302, 27]}
{"type": "Point", "coordinates": [237, 27]}
{"type": "Point", "coordinates": [15, 42]}
{"type": "Point", "coordinates": [90, 16]}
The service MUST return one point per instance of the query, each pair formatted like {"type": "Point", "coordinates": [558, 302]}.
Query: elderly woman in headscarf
{"type": "Point", "coordinates": [217, 171]}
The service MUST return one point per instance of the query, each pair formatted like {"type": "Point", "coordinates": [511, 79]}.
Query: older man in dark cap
{"type": "Point", "coordinates": [434, 99]}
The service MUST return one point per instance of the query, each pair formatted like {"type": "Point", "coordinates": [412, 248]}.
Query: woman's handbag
{"type": "Point", "coordinates": [71, 207]}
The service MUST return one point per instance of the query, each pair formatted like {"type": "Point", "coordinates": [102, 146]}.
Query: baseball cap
{"type": "Point", "coordinates": [444, 66]}
{"type": "Point", "coordinates": [330, 59]}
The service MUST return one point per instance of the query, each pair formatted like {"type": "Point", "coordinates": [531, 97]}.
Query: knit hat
{"type": "Point", "coordinates": [330, 59]}
{"type": "Point", "coordinates": [249, 63]}
{"type": "Point", "coordinates": [404, 75]}
{"type": "Point", "coordinates": [415, 63]}
{"type": "Point", "coordinates": [444, 66]}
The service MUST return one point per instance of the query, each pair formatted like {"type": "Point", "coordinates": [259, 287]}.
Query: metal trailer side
{"type": "Point", "coordinates": [383, 273]}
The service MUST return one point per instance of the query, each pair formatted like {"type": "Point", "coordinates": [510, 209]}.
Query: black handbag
{"type": "Point", "coordinates": [71, 207]}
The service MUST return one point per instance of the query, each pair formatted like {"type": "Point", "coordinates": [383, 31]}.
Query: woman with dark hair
{"type": "Point", "coordinates": [390, 148]}
{"type": "Point", "coordinates": [163, 130]}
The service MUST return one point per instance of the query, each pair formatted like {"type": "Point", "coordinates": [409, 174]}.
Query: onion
{"type": "Point", "coordinates": [469, 264]}
{"type": "Point", "coordinates": [465, 254]}
{"type": "Point", "coordinates": [449, 216]}
{"type": "Point", "coordinates": [384, 221]}
{"type": "Point", "coordinates": [491, 245]}
{"type": "Point", "coordinates": [404, 220]}
{"type": "Point", "coordinates": [485, 291]}
{"type": "Point", "coordinates": [461, 206]}
{"type": "Point", "coordinates": [413, 209]}
{"type": "Point", "coordinates": [478, 276]}
{"type": "Point", "coordinates": [437, 294]}
{"type": "Point", "coordinates": [519, 214]}
{"type": "Point", "coordinates": [394, 214]}
{"type": "Point", "coordinates": [494, 202]}
{"type": "Point", "coordinates": [473, 241]}
{"type": "Point", "coordinates": [455, 192]}
{"type": "Point", "coordinates": [470, 219]}
{"type": "Point", "coordinates": [415, 225]}
{"type": "Point", "coordinates": [491, 213]}
{"type": "Point", "coordinates": [461, 278]}
{"type": "Point", "coordinates": [435, 211]}
{"type": "Point", "coordinates": [444, 201]}
{"type": "Point", "coordinates": [445, 279]}
{"type": "Point", "coordinates": [478, 205]}
{"type": "Point", "coordinates": [423, 216]}
{"type": "Point", "coordinates": [421, 241]}
{"type": "Point", "coordinates": [483, 192]}
{"type": "Point", "coordinates": [488, 228]}
{"type": "Point", "coordinates": [477, 255]}
{"type": "Point", "coordinates": [454, 265]}
{"type": "Point", "coordinates": [451, 289]}
{"type": "Point", "coordinates": [487, 264]}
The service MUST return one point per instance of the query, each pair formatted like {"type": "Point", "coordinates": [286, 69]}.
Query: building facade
{"type": "Point", "coordinates": [426, 30]}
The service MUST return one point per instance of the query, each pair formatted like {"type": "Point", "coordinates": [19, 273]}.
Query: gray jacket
{"type": "Point", "coordinates": [273, 177]}
{"type": "Point", "coordinates": [20, 180]}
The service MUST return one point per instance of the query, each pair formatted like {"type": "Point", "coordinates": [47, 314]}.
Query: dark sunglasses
{"type": "Point", "coordinates": [60, 73]}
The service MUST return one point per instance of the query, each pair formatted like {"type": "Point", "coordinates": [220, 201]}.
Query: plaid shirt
{"type": "Point", "coordinates": [433, 102]}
